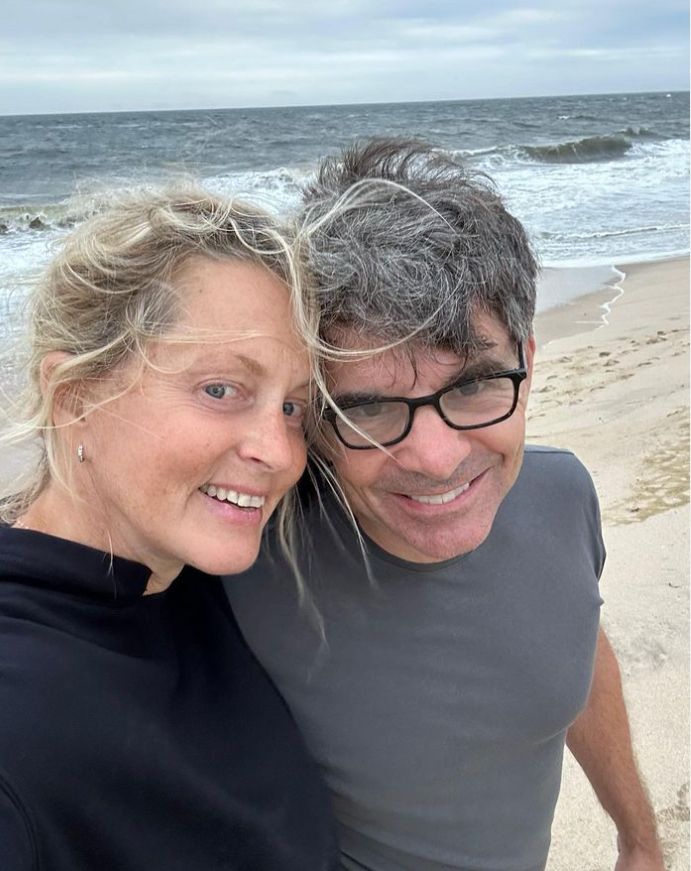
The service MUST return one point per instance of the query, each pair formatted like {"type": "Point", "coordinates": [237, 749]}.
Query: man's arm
{"type": "Point", "coordinates": [600, 740]}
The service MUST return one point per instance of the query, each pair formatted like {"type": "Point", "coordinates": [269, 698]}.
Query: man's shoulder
{"type": "Point", "coordinates": [545, 459]}
{"type": "Point", "coordinates": [546, 451]}
{"type": "Point", "coordinates": [555, 479]}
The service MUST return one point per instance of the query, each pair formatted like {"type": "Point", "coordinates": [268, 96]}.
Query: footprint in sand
{"type": "Point", "coordinates": [641, 653]}
{"type": "Point", "coordinates": [662, 479]}
{"type": "Point", "coordinates": [680, 809]}
{"type": "Point", "coordinates": [671, 820]}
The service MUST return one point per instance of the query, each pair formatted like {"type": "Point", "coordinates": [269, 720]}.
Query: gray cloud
{"type": "Point", "coordinates": [72, 55]}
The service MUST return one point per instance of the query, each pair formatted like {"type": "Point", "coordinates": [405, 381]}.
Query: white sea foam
{"type": "Point", "coordinates": [558, 286]}
{"type": "Point", "coordinates": [275, 189]}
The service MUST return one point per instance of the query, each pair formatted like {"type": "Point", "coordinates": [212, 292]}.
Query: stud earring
{"type": "Point", "coordinates": [80, 452]}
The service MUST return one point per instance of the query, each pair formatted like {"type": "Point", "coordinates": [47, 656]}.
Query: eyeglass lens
{"type": "Point", "coordinates": [473, 404]}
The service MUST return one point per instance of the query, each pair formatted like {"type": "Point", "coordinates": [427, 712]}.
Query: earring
{"type": "Point", "coordinates": [80, 452]}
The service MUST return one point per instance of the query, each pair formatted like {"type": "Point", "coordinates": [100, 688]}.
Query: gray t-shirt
{"type": "Point", "coordinates": [439, 701]}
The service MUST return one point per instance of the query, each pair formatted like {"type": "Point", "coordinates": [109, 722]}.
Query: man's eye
{"type": "Point", "coordinates": [220, 390]}
{"type": "Point", "coordinates": [366, 411]}
{"type": "Point", "coordinates": [470, 388]}
{"type": "Point", "coordinates": [462, 394]}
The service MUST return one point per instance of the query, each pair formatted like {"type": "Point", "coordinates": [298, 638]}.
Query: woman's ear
{"type": "Point", "coordinates": [68, 405]}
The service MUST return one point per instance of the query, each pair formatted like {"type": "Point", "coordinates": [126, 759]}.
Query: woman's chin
{"type": "Point", "coordinates": [226, 564]}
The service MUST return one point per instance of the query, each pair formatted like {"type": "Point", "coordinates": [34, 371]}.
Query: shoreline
{"type": "Point", "coordinates": [591, 308]}
{"type": "Point", "coordinates": [615, 391]}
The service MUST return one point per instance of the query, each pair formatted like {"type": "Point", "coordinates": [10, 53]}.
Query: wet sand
{"type": "Point", "coordinates": [612, 384]}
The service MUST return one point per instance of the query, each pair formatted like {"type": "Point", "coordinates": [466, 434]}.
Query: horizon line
{"type": "Point", "coordinates": [666, 92]}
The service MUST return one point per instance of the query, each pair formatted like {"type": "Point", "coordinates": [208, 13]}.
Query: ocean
{"type": "Point", "coordinates": [596, 179]}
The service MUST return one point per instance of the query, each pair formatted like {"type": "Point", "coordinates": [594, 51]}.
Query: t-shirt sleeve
{"type": "Point", "coordinates": [594, 521]}
{"type": "Point", "coordinates": [556, 481]}
{"type": "Point", "coordinates": [17, 843]}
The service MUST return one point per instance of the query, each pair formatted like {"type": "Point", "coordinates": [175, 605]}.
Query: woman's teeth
{"type": "Point", "coordinates": [243, 500]}
{"type": "Point", "coordinates": [442, 498]}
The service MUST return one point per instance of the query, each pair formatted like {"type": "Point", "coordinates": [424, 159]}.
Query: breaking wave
{"type": "Point", "coordinates": [274, 189]}
{"type": "Point", "coordinates": [592, 148]}
{"type": "Point", "coordinates": [38, 220]}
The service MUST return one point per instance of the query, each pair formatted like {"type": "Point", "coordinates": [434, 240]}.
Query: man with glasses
{"type": "Point", "coordinates": [451, 572]}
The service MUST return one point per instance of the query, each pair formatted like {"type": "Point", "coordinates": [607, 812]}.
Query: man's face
{"type": "Point", "coordinates": [389, 493]}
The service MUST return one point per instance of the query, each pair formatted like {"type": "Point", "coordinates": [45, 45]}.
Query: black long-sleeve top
{"type": "Point", "coordinates": [139, 733]}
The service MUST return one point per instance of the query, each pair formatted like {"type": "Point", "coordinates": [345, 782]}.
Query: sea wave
{"type": "Point", "coordinates": [14, 219]}
{"type": "Point", "coordinates": [640, 133]}
{"type": "Point", "coordinates": [591, 149]}
{"type": "Point", "coordinates": [273, 188]}
{"type": "Point", "coordinates": [276, 189]}
{"type": "Point", "coordinates": [579, 116]}
{"type": "Point", "coordinates": [607, 234]}
{"type": "Point", "coordinates": [587, 150]}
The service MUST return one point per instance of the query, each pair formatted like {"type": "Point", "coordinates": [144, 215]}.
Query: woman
{"type": "Point", "coordinates": [169, 384]}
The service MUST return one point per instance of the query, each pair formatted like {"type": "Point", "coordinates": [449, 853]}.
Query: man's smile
{"type": "Point", "coordinates": [439, 498]}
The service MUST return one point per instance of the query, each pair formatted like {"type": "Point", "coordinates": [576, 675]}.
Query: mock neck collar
{"type": "Point", "coordinates": [59, 564]}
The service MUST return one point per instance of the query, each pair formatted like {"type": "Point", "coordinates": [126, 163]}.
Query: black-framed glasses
{"type": "Point", "coordinates": [471, 403]}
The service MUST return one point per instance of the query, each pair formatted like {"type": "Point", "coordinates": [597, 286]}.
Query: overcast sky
{"type": "Point", "coordinates": [106, 55]}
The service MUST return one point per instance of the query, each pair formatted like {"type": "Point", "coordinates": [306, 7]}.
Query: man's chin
{"type": "Point", "coordinates": [430, 546]}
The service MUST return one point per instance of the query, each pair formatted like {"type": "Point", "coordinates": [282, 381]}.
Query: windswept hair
{"type": "Point", "coordinates": [404, 242]}
{"type": "Point", "coordinates": [110, 291]}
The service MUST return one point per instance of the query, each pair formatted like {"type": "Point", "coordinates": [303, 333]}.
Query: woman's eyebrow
{"type": "Point", "coordinates": [304, 386]}
{"type": "Point", "coordinates": [219, 359]}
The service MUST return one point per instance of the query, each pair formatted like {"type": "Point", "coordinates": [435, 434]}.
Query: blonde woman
{"type": "Point", "coordinates": [168, 385]}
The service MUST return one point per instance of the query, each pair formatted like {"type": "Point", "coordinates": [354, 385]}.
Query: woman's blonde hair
{"type": "Point", "coordinates": [109, 292]}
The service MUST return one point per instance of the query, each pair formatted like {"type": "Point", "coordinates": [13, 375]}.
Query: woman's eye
{"type": "Point", "coordinates": [294, 410]}
{"type": "Point", "coordinates": [220, 391]}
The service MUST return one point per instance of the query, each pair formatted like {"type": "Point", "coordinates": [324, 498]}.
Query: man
{"type": "Point", "coordinates": [460, 645]}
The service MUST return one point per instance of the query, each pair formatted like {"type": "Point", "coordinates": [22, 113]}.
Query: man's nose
{"type": "Point", "coordinates": [432, 447]}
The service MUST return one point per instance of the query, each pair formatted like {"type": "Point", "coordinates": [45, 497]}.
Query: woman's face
{"type": "Point", "coordinates": [187, 466]}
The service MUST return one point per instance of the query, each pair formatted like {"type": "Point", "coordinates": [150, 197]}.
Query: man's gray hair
{"type": "Point", "coordinates": [404, 240]}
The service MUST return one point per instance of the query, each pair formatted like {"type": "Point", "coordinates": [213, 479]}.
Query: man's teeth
{"type": "Point", "coordinates": [244, 500]}
{"type": "Point", "coordinates": [442, 498]}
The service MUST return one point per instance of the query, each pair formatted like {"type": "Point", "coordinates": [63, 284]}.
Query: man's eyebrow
{"type": "Point", "coordinates": [482, 366]}
{"type": "Point", "coordinates": [357, 398]}
{"type": "Point", "coordinates": [479, 367]}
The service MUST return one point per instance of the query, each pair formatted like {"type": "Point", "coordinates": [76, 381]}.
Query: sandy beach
{"type": "Point", "coordinates": [611, 384]}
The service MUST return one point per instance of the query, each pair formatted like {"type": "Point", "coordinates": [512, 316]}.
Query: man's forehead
{"type": "Point", "coordinates": [402, 366]}
{"type": "Point", "coordinates": [485, 329]}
